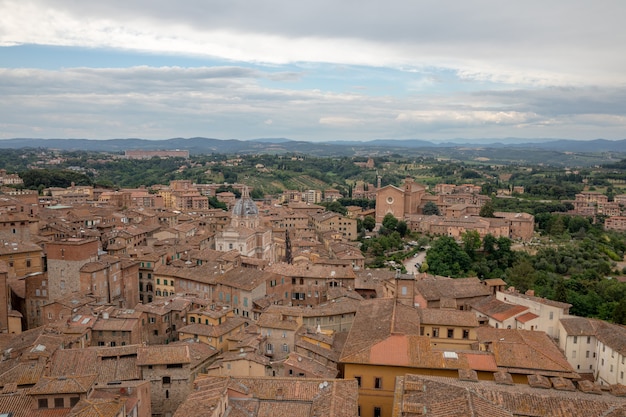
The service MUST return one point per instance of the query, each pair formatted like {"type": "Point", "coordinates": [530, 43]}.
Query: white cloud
{"type": "Point", "coordinates": [560, 43]}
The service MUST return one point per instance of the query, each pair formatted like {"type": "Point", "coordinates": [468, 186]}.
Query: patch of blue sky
{"type": "Point", "coordinates": [58, 57]}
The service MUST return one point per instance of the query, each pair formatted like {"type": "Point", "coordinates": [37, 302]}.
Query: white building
{"type": "Point", "coordinates": [595, 347]}
{"type": "Point", "coordinates": [548, 312]}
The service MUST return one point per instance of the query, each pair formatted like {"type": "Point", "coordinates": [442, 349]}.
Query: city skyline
{"type": "Point", "coordinates": [312, 71]}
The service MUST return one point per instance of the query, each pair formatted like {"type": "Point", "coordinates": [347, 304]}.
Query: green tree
{"type": "Point", "coordinates": [619, 314]}
{"type": "Point", "coordinates": [471, 242]}
{"type": "Point", "coordinates": [445, 257]}
{"type": "Point", "coordinates": [402, 228]}
{"type": "Point", "coordinates": [431, 209]}
{"type": "Point", "coordinates": [369, 223]}
{"type": "Point", "coordinates": [390, 222]}
{"type": "Point", "coordinates": [487, 210]}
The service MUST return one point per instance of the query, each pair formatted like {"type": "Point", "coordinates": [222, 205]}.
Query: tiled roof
{"type": "Point", "coordinates": [213, 331]}
{"type": "Point", "coordinates": [578, 326]}
{"type": "Point", "coordinates": [18, 403]}
{"type": "Point", "coordinates": [245, 278]}
{"type": "Point", "coordinates": [526, 317]}
{"type": "Point", "coordinates": [312, 367]}
{"type": "Point", "coordinates": [22, 373]}
{"type": "Point", "coordinates": [312, 271]}
{"type": "Point", "coordinates": [525, 351]}
{"type": "Point", "coordinates": [270, 320]}
{"type": "Point", "coordinates": [375, 321]}
{"type": "Point", "coordinates": [97, 407]}
{"type": "Point", "coordinates": [443, 397]}
{"type": "Point", "coordinates": [109, 363]}
{"type": "Point", "coordinates": [540, 300]}
{"type": "Point", "coordinates": [448, 317]}
{"type": "Point", "coordinates": [272, 397]}
{"type": "Point", "coordinates": [162, 355]}
{"type": "Point", "coordinates": [435, 288]}
{"type": "Point", "coordinates": [64, 385]}
{"type": "Point", "coordinates": [496, 309]}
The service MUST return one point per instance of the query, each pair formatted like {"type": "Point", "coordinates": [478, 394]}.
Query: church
{"type": "Point", "coordinates": [245, 233]}
{"type": "Point", "coordinates": [399, 201]}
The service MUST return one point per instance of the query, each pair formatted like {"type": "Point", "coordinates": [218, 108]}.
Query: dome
{"type": "Point", "coordinates": [245, 206]}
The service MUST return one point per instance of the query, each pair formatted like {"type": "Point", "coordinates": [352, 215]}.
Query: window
{"type": "Point", "coordinates": [551, 315]}
{"type": "Point", "coordinates": [158, 281]}
{"type": "Point", "coordinates": [285, 348]}
{"type": "Point", "coordinates": [575, 339]}
{"type": "Point", "coordinates": [378, 410]}
{"type": "Point", "coordinates": [358, 380]}
{"type": "Point", "coordinates": [284, 334]}
{"type": "Point", "coordinates": [59, 403]}
{"type": "Point", "coordinates": [450, 333]}
{"type": "Point", "coordinates": [588, 339]}
{"type": "Point", "coordinates": [152, 319]}
{"type": "Point", "coordinates": [42, 403]}
{"type": "Point", "coordinates": [465, 334]}
{"type": "Point", "coordinates": [587, 354]}
{"type": "Point", "coordinates": [166, 380]}
{"type": "Point", "coordinates": [269, 348]}
{"type": "Point", "coordinates": [573, 354]}
{"type": "Point", "coordinates": [435, 331]}
{"type": "Point", "coordinates": [378, 382]}
{"type": "Point", "coordinates": [164, 282]}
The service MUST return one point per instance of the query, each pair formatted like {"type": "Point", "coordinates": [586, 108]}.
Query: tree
{"type": "Point", "coordinates": [471, 242]}
{"type": "Point", "coordinates": [619, 314]}
{"type": "Point", "coordinates": [337, 208]}
{"type": "Point", "coordinates": [369, 223]}
{"type": "Point", "coordinates": [390, 222]}
{"type": "Point", "coordinates": [402, 228]}
{"type": "Point", "coordinates": [445, 257]}
{"type": "Point", "coordinates": [431, 209]}
{"type": "Point", "coordinates": [487, 210]}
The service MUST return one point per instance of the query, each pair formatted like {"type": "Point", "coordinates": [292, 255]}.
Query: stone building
{"type": "Point", "coordinates": [65, 259]}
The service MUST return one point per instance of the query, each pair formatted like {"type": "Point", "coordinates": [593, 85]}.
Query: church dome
{"type": "Point", "coordinates": [245, 206]}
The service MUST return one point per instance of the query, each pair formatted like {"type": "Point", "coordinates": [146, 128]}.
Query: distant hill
{"type": "Point", "coordinates": [456, 148]}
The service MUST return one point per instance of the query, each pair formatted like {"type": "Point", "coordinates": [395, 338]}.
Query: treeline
{"type": "Point", "coordinates": [576, 263]}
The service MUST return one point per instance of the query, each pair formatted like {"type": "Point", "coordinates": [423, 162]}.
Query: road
{"type": "Point", "coordinates": [409, 263]}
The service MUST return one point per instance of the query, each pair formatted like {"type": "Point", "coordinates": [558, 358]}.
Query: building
{"type": "Point", "coordinates": [245, 233]}
{"type": "Point", "coordinates": [548, 312]}
{"type": "Point", "coordinates": [464, 395]}
{"type": "Point", "coordinates": [65, 259]}
{"type": "Point", "coordinates": [217, 396]}
{"type": "Point", "coordinates": [399, 202]}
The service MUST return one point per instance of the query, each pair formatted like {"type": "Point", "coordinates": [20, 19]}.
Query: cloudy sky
{"type": "Point", "coordinates": [313, 70]}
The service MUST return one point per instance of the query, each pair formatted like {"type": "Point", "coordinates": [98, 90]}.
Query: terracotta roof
{"type": "Point", "coordinates": [448, 317]}
{"type": "Point", "coordinates": [98, 407]}
{"type": "Point", "coordinates": [213, 331]}
{"type": "Point", "coordinates": [442, 397]}
{"type": "Point", "coordinates": [526, 317]}
{"type": "Point", "coordinates": [64, 385]}
{"type": "Point", "coordinates": [435, 288]}
{"type": "Point", "coordinates": [496, 309]}
{"type": "Point", "coordinates": [272, 397]}
{"type": "Point", "coordinates": [18, 403]}
{"type": "Point", "coordinates": [525, 351]}
{"type": "Point", "coordinates": [163, 355]}
{"type": "Point", "coordinates": [109, 363]}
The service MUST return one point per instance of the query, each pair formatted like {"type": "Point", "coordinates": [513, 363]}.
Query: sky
{"type": "Point", "coordinates": [318, 70]}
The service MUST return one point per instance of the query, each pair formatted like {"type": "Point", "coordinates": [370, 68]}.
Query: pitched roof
{"type": "Point", "coordinates": [64, 385]}
{"type": "Point", "coordinates": [436, 288]}
{"type": "Point", "coordinates": [162, 355]}
{"type": "Point", "coordinates": [525, 351]}
{"type": "Point", "coordinates": [442, 397]}
{"type": "Point", "coordinates": [496, 309]}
